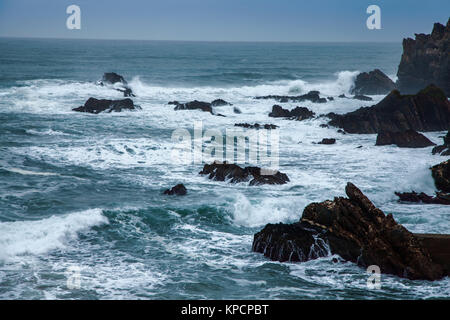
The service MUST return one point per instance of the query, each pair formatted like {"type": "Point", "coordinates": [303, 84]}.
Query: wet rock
{"type": "Point", "coordinates": [313, 96]}
{"type": "Point", "coordinates": [428, 110]}
{"type": "Point", "coordinates": [327, 141]}
{"type": "Point", "coordinates": [354, 229]}
{"type": "Point", "coordinates": [440, 198]}
{"type": "Point", "coordinates": [403, 139]}
{"type": "Point", "coordinates": [237, 110]}
{"type": "Point", "coordinates": [330, 98]}
{"type": "Point", "coordinates": [96, 106]}
{"type": "Point", "coordinates": [113, 78]}
{"type": "Point", "coordinates": [426, 61]}
{"type": "Point", "coordinates": [362, 97]}
{"type": "Point", "coordinates": [342, 96]}
{"type": "Point", "coordinates": [256, 126]}
{"type": "Point", "coordinates": [444, 149]}
{"type": "Point", "coordinates": [194, 105]}
{"type": "Point", "coordinates": [298, 113]}
{"type": "Point", "coordinates": [441, 176]}
{"type": "Point", "coordinates": [372, 83]}
{"type": "Point", "coordinates": [220, 103]}
{"type": "Point", "coordinates": [179, 190]}
{"type": "Point", "coordinates": [226, 171]}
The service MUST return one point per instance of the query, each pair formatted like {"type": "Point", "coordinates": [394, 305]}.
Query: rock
{"type": "Point", "coordinates": [112, 78]}
{"type": "Point", "coordinates": [237, 110]}
{"type": "Point", "coordinates": [256, 126]}
{"type": "Point", "coordinates": [443, 150]}
{"type": "Point", "coordinates": [441, 176]}
{"type": "Point", "coordinates": [404, 139]}
{"type": "Point", "coordinates": [426, 61]}
{"type": "Point", "coordinates": [330, 98]}
{"type": "Point", "coordinates": [362, 97]}
{"type": "Point", "coordinates": [298, 113]}
{"type": "Point", "coordinates": [440, 198]}
{"type": "Point", "coordinates": [179, 190]}
{"type": "Point", "coordinates": [194, 105]}
{"type": "Point", "coordinates": [342, 96]}
{"type": "Point", "coordinates": [224, 171]}
{"type": "Point", "coordinates": [354, 229]}
{"type": "Point", "coordinates": [327, 141]}
{"type": "Point", "coordinates": [323, 125]}
{"type": "Point", "coordinates": [428, 110]}
{"type": "Point", "coordinates": [372, 83]}
{"type": "Point", "coordinates": [96, 106]}
{"type": "Point", "coordinates": [220, 103]}
{"type": "Point", "coordinates": [313, 96]}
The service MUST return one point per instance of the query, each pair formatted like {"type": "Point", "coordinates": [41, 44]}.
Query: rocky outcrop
{"type": "Point", "coordinates": [354, 229]}
{"type": "Point", "coordinates": [441, 176]}
{"type": "Point", "coordinates": [428, 110]}
{"type": "Point", "coordinates": [298, 113]}
{"type": "Point", "coordinates": [112, 78]}
{"type": "Point", "coordinates": [179, 190]}
{"type": "Point", "coordinates": [444, 149]}
{"type": "Point", "coordinates": [327, 141]}
{"type": "Point", "coordinates": [193, 105]}
{"type": "Point", "coordinates": [313, 96]}
{"type": "Point", "coordinates": [220, 103]}
{"type": "Point", "coordinates": [256, 126]}
{"type": "Point", "coordinates": [372, 83]}
{"type": "Point", "coordinates": [425, 61]}
{"type": "Point", "coordinates": [226, 171]}
{"type": "Point", "coordinates": [403, 139]}
{"type": "Point", "coordinates": [440, 198]}
{"type": "Point", "coordinates": [96, 106]}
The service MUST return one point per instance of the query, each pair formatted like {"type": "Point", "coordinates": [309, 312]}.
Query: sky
{"type": "Point", "coordinates": [222, 20]}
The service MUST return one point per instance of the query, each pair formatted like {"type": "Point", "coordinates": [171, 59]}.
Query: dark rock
{"type": "Point", "coordinates": [341, 131]}
{"type": "Point", "coordinates": [224, 171]}
{"type": "Point", "coordinates": [313, 96]}
{"type": "Point", "coordinates": [323, 125]}
{"type": "Point", "coordinates": [342, 96]}
{"type": "Point", "coordinates": [426, 61]}
{"type": "Point", "coordinates": [354, 229]}
{"type": "Point", "coordinates": [404, 139]}
{"type": "Point", "coordinates": [372, 83]}
{"type": "Point", "coordinates": [220, 103]}
{"type": "Point", "coordinates": [443, 150]}
{"type": "Point", "coordinates": [441, 176]}
{"type": "Point", "coordinates": [330, 98]}
{"type": "Point", "coordinates": [256, 126]}
{"type": "Point", "coordinates": [179, 190]}
{"type": "Point", "coordinates": [440, 198]}
{"type": "Point", "coordinates": [237, 110]}
{"type": "Point", "coordinates": [112, 78]}
{"type": "Point", "coordinates": [362, 98]}
{"type": "Point", "coordinates": [429, 110]}
{"type": "Point", "coordinates": [298, 113]}
{"type": "Point", "coordinates": [96, 106]}
{"type": "Point", "coordinates": [194, 105]}
{"type": "Point", "coordinates": [327, 141]}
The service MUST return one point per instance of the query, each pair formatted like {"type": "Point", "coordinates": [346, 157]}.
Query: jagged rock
{"type": "Point", "coordinates": [225, 171]}
{"type": "Point", "coordinates": [96, 106]}
{"type": "Point", "coordinates": [327, 141]}
{"type": "Point", "coordinates": [220, 103]}
{"type": "Point", "coordinates": [113, 78]}
{"type": "Point", "coordinates": [443, 150]}
{"type": "Point", "coordinates": [404, 139]}
{"type": "Point", "coordinates": [298, 113]}
{"type": "Point", "coordinates": [425, 61]}
{"type": "Point", "coordinates": [440, 198]}
{"type": "Point", "coordinates": [313, 96]}
{"type": "Point", "coordinates": [428, 110]}
{"type": "Point", "coordinates": [372, 83]}
{"type": "Point", "coordinates": [256, 126]}
{"type": "Point", "coordinates": [194, 105]}
{"type": "Point", "coordinates": [441, 176]}
{"type": "Point", "coordinates": [179, 190]}
{"type": "Point", "coordinates": [362, 97]}
{"type": "Point", "coordinates": [354, 229]}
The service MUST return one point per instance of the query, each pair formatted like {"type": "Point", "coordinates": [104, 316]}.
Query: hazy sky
{"type": "Point", "coordinates": [222, 20]}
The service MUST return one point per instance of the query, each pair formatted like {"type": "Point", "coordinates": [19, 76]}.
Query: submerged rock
{"type": "Point", "coordinates": [194, 105]}
{"type": "Point", "coordinates": [220, 103]}
{"type": "Point", "coordinates": [237, 110]}
{"type": "Point", "coordinates": [313, 96]}
{"type": "Point", "coordinates": [354, 229]}
{"type": "Point", "coordinates": [179, 190]}
{"type": "Point", "coordinates": [404, 139]}
{"type": "Point", "coordinates": [256, 126]}
{"type": "Point", "coordinates": [444, 149]}
{"type": "Point", "coordinates": [327, 141]}
{"type": "Point", "coordinates": [225, 171]}
{"type": "Point", "coordinates": [428, 110]}
{"type": "Point", "coordinates": [298, 113]}
{"type": "Point", "coordinates": [96, 106]}
{"type": "Point", "coordinates": [372, 83]}
{"type": "Point", "coordinates": [425, 61]}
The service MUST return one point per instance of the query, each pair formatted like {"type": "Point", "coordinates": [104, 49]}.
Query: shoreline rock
{"type": "Point", "coordinates": [313, 96]}
{"type": "Point", "coordinates": [97, 106]}
{"type": "Point", "coordinates": [444, 149]}
{"type": "Point", "coordinates": [374, 82]}
{"type": "Point", "coordinates": [440, 198]}
{"type": "Point", "coordinates": [354, 229]}
{"type": "Point", "coordinates": [256, 126]}
{"type": "Point", "coordinates": [327, 141]}
{"type": "Point", "coordinates": [298, 113]}
{"type": "Point", "coordinates": [112, 78]}
{"type": "Point", "coordinates": [179, 190]}
{"type": "Point", "coordinates": [404, 139]}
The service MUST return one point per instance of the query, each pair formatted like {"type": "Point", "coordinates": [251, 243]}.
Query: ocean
{"type": "Point", "coordinates": [82, 214]}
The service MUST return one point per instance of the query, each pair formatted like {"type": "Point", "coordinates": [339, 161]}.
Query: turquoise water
{"type": "Point", "coordinates": [85, 191]}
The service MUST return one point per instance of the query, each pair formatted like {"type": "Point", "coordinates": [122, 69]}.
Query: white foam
{"type": "Point", "coordinates": [32, 173]}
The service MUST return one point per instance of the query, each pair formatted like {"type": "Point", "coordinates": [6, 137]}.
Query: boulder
{"type": "Point", "coordinates": [426, 60]}
{"type": "Point", "coordinates": [327, 141]}
{"type": "Point", "coordinates": [298, 113]}
{"type": "Point", "coordinates": [96, 106]}
{"type": "Point", "coordinates": [354, 229]}
{"type": "Point", "coordinates": [179, 190]}
{"type": "Point", "coordinates": [194, 105]}
{"type": "Point", "coordinates": [403, 139]}
{"type": "Point", "coordinates": [226, 171]}
{"type": "Point", "coordinates": [237, 110]}
{"type": "Point", "coordinates": [440, 198]}
{"type": "Point", "coordinates": [372, 83]}
{"type": "Point", "coordinates": [428, 110]}
{"type": "Point", "coordinates": [313, 96]}
{"type": "Point", "coordinates": [441, 176]}
{"type": "Point", "coordinates": [444, 149]}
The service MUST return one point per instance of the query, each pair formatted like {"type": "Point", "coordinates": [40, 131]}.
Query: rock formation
{"type": "Point", "coordinates": [372, 83]}
{"type": "Point", "coordinates": [441, 176]}
{"type": "Point", "coordinates": [256, 126]}
{"type": "Point", "coordinates": [444, 149]}
{"type": "Point", "coordinates": [113, 78]}
{"type": "Point", "coordinates": [313, 96]}
{"type": "Point", "coordinates": [440, 198]}
{"type": "Point", "coordinates": [327, 141]}
{"type": "Point", "coordinates": [403, 139]}
{"type": "Point", "coordinates": [179, 190]}
{"type": "Point", "coordinates": [298, 113]}
{"type": "Point", "coordinates": [96, 106]}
